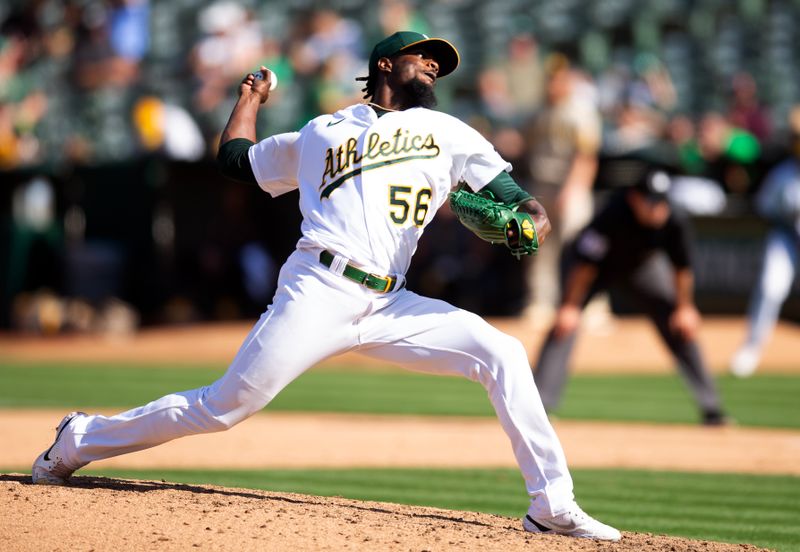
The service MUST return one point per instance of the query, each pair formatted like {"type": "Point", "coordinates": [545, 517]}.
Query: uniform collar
{"type": "Point", "coordinates": [360, 112]}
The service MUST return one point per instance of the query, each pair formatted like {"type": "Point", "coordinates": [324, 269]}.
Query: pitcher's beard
{"type": "Point", "coordinates": [420, 94]}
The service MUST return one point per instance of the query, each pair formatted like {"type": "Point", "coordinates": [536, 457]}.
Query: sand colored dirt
{"type": "Point", "coordinates": [108, 514]}
{"type": "Point", "coordinates": [282, 440]}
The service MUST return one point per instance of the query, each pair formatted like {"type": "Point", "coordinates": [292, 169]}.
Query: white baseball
{"type": "Point", "coordinates": [273, 78]}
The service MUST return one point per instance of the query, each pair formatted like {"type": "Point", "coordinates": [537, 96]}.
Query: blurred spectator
{"type": "Point", "coordinates": [231, 41]}
{"type": "Point", "coordinates": [682, 139]}
{"type": "Point", "coordinates": [19, 145]}
{"type": "Point", "coordinates": [328, 35]}
{"type": "Point", "coordinates": [635, 102]}
{"type": "Point", "coordinates": [778, 201]}
{"type": "Point", "coordinates": [746, 111]}
{"type": "Point", "coordinates": [729, 153]}
{"type": "Point", "coordinates": [105, 44]}
{"type": "Point", "coordinates": [16, 50]}
{"type": "Point", "coordinates": [327, 55]}
{"type": "Point", "coordinates": [691, 191]}
{"type": "Point", "coordinates": [112, 41]}
{"type": "Point", "coordinates": [635, 127]}
{"type": "Point", "coordinates": [23, 104]}
{"type": "Point", "coordinates": [399, 15]}
{"type": "Point", "coordinates": [612, 85]}
{"type": "Point", "coordinates": [509, 93]}
{"type": "Point", "coordinates": [653, 86]}
{"type": "Point", "coordinates": [229, 47]}
{"type": "Point", "coordinates": [72, 75]}
{"type": "Point", "coordinates": [563, 142]}
{"type": "Point", "coordinates": [129, 28]}
{"type": "Point", "coordinates": [494, 96]}
{"type": "Point", "coordinates": [636, 105]}
{"type": "Point", "coordinates": [335, 86]}
{"type": "Point", "coordinates": [524, 75]}
{"type": "Point", "coordinates": [8, 138]}
{"type": "Point", "coordinates": [167, 128]}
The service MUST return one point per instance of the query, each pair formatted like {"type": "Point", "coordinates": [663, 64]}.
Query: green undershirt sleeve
{"type": "Point", "coordinates": [233, 161]}
{"type": "Point", "coordinates": [506, 190]}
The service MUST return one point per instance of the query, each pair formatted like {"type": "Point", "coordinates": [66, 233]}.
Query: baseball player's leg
{"type": "Point", "coordinates": [653, 288]}
{"type": "Point", "coordinates": [774, 284]}
{"type": "Point", "coordinates": [552, 368]}
{"type": "Point", "coordinates": [310, 319]}
{"type": "Point", "coordinates": [432, 336]}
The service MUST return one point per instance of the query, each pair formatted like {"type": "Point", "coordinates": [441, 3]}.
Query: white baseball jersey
{"type": "Point", "coordinates": [369, 185]}
{"type": "Point", "coordinates": [779, 196]}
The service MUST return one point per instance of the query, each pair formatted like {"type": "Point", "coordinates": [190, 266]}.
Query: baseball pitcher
{"type": "Point", "coordinates": [370, 179]}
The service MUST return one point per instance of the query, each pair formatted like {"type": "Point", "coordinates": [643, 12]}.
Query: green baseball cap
{"type": "Point", "coordinates": [442, 51]}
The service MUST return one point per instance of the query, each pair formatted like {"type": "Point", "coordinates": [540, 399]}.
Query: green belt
{"type": "Point", "coordinates": [374, 282]}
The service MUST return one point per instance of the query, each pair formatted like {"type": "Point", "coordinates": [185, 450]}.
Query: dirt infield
{"type": "Point", "coordinates": [107, 514]}
{"type": "Point", "coordinates": [275, 440]}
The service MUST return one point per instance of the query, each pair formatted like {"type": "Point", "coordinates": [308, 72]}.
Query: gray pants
{"type": "Point", "coordinates": [652, 287]}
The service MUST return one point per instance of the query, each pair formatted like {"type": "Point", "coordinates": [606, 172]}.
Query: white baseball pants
{"type": "Point", "coordinates": [778, 267]}
{"type": "Point", "coordinates": [316, 314]}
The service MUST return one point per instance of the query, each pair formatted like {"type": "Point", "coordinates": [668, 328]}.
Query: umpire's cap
{"type": "Point", "coordinates": [442, 51]}
{"type": "Point", "coordinates": [654, 185]}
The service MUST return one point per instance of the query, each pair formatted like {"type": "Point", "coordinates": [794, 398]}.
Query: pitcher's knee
{"type": "Point", "coordinates": [506, 358]}
{"type": "Point", "coordinates": [506, 351]}
{"type": "Point", "coordinates": [225, 410]}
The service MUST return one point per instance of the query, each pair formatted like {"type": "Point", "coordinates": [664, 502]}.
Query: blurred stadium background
{"type": "Point", "coordinates": [113, 216]}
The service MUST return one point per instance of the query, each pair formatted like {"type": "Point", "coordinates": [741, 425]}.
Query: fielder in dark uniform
{"type": "Point", "coordinates": [639, 245]}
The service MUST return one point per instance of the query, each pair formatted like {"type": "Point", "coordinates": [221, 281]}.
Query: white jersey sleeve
{"type": "Point", "coordinates": [275, 162]}
{"type": "Point", "coordinates": [779, 196]}
{"type": "Point", "coordinates": [475, 159]}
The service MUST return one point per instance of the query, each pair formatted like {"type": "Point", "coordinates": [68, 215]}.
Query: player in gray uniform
{"type": "Point", "coordinates": [778, 201]}
{"type": "Point", "coordinates": [370, 177]}
{"type": "Point", "coordinates": [640, 246]}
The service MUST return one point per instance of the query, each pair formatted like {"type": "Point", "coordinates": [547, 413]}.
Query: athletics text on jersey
{"type": "Point", "coordinates": [359, 194]}
{"type": "Point", "coordinates": [378, 153]}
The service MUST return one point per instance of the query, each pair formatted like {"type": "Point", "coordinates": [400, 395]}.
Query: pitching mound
{"type": "Point", "coordinates": [96, 513]}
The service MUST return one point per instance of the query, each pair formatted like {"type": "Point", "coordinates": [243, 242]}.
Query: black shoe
{"type": "Point", "coordinates": [715, 418]}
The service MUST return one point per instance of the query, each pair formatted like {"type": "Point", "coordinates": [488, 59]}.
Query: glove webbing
{"type": "Point", "coordinates": [474, 207]}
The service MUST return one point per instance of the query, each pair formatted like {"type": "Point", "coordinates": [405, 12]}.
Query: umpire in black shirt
{"type": "Point", "coordinates": [621, 249]}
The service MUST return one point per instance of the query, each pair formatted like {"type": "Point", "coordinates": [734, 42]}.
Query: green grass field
{"type": "Point", "coordinates": [764, 400]}
{"type": "Point", "coordinates": [761, 510]}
